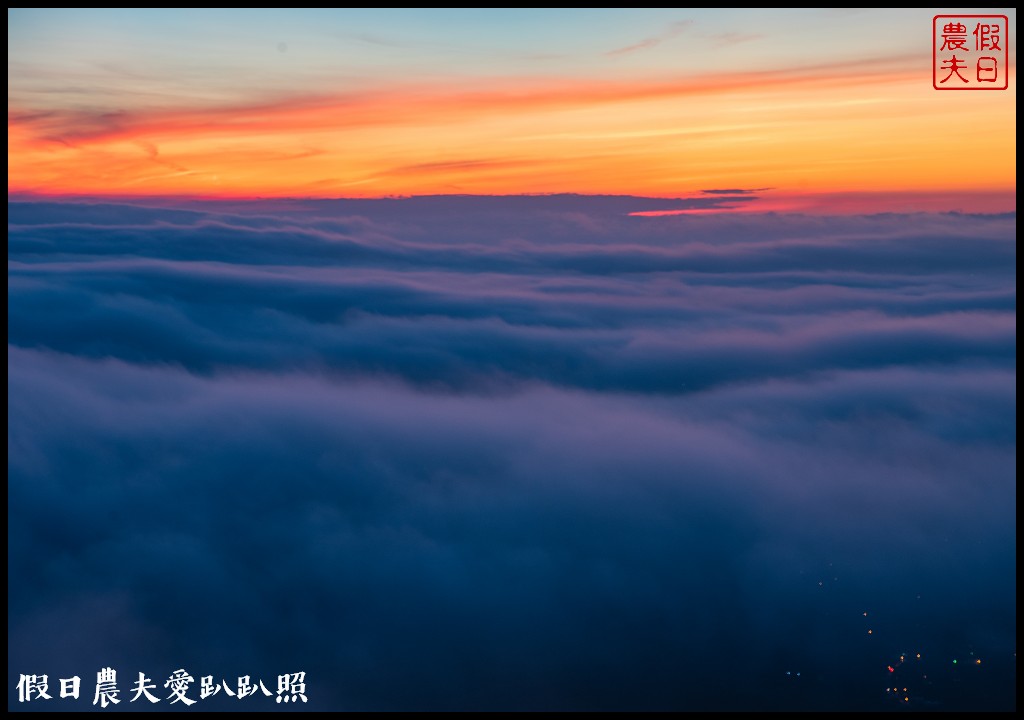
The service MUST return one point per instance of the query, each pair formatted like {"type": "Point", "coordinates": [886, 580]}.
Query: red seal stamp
{"type": "Point", "coordinates": [970, 52]}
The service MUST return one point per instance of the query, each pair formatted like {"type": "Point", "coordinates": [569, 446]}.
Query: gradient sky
{"type": "Point", "coordinates": [834, 105]}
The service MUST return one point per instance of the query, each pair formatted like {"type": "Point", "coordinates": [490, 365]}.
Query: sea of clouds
{"type": "Point", "coordinates": [522, 453]}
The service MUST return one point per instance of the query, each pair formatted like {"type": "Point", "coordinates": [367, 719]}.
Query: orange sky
{"type": "Point", "coordinates": [874, 127]}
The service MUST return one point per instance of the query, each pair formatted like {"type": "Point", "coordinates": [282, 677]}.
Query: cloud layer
{"type": "Point", "coordinates": [514, 453]}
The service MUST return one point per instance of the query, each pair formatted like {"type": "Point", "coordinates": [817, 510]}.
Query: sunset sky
{"type": "Point", "coordinates": [826, 109]}
{"type": "Point", "coordinates": [512, 360]}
